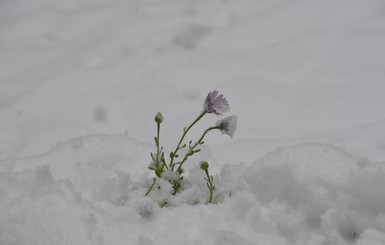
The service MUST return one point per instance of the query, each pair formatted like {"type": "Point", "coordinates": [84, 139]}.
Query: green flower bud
{"type": "Point", "coordinates": [159, 118]}
{"type": "Point", "coordinates": [204, 165]}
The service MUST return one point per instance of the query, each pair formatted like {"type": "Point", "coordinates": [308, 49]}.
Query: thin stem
{"type": "Point", "coordinates": [150, 188]}
{"type": "Point", "coordinates": [191, 150]}
{"type": "Point", "coordinates": [157, 145]}
{"type": "Point", "coordinates": [182, 138]}
{"type": "Point", "coordinates": [204, 134]}
{"type": "Point", "coordinates": [159, 160]}
{"type": "Point", "coordinates": [210, 185]}
{"type": "Point", "coordinates": [176, 187]}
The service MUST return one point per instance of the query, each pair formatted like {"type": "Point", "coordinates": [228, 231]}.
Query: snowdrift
{"type": "Point", "coordinates": [90, 190]}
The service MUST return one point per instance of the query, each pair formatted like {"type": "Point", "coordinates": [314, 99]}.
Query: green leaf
{"type": "Point", "coordinates": [158, 173]}
{"type": "Point", "coordinates": [164, 204]}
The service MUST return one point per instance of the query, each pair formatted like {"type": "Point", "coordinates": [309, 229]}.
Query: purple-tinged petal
{"type": "Point", "coordinates": [215, 103]}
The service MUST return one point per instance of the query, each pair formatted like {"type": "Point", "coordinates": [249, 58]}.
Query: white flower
{"type": "Point", "coordinates": [215, 103]}
{"type": "Point", "coordinates": [228, 125]}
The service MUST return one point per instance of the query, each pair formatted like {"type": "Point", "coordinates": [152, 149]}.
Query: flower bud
{"type": "Point", "coordinates": [204, 165]}
{"type": "Point", "coordinates": [159, 118]}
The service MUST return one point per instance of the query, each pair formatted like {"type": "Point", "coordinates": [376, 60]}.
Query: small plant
{"type": "Point", "coordinates": [172, 170]}
{"type": "Point", "coordinates": [209, 179]}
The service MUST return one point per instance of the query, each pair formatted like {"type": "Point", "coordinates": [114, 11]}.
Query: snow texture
{"type": "Point", "coordinates": [84, 192]}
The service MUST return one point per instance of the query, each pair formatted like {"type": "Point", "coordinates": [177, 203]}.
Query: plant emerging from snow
{"type": "Point", "coordinates": [172, 170]}
{"type": "Point", "coordinates": [209, 179]}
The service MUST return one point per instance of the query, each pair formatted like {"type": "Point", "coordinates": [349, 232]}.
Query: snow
{"type": "Point", "coordinates": [81, 82]}
{"type": "Point", "coordinates": [91, 191]}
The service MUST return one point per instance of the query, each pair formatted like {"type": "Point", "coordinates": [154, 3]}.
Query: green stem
{"type": "Point", "coordinates": [159, 163]}
{"type": "Point", "coordinates": [150, 188]}
{"type": "Point", "coordinates": [182, 138]}
{"type": "Point", "coordinates": [176, 187]}
{"type": "Point", "coordinates": [157, 146]}
{"type": "Point", "coordinates": [210, 185]}
{"type": "Point", "coordinates": [190, 152]}
{"type": "Point", "coordinates": [204, 134]}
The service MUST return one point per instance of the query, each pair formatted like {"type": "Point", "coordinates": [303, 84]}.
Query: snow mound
{"type": "Point", "coordinates": [313, 161]}
{"type": "Point", "coordinates": [35, 209]}
{"type": "Point", "coordinates": [324, 189]}
{"type": "Point", "coordinates": [90, 190]}
{"type": "Point", "coordinates": [90, 162]}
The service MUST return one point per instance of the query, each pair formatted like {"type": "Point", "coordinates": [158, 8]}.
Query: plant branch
{"type": "Point", "coordinates": [192, 150]}
{"type": "Point", "coordinates": [185, 131]}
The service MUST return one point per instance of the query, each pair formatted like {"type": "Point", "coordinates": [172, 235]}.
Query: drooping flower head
{"type": "Point", "coordinates": [215, 103]}
{"type": "Point", "coordinates": [228, 125]}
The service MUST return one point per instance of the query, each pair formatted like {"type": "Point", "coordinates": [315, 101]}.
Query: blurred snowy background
{"type": "Point", "coordinates": [296, 72]}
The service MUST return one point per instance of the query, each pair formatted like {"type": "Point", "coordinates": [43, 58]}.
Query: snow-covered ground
{"type": "Point", "coordinates": [81, 81]}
